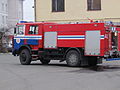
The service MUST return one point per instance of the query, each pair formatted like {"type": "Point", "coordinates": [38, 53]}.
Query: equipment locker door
{"type": "Point", "coordinates": [92, 43]}
{"type": "Point", "coordinates": [118, 39]}
{"type": "Point", "coordinates": [50, 40]}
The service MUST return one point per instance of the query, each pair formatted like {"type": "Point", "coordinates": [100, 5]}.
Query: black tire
{"type": "Point", "coordinates": [25, 57]}
{"type": "Point", "coordinates": [73, 58]}
{"type": "Point", "coordinates": [45, 61]}
{"type": "Point", "coordinates": [92, 61]}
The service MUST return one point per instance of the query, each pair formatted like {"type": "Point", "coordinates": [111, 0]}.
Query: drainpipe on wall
{"type": "Point", "coordinates": [35, 9]}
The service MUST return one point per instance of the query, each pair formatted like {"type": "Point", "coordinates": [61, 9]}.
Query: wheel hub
{"type": "Point", "coordinates": [73, 58]}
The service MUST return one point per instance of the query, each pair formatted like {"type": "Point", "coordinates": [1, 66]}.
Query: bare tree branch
{"type": "Point", "coordinates": [4, 36]}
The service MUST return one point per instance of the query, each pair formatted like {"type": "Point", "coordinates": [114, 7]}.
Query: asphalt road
{"type": "Point", "coordinates": [56, 76]}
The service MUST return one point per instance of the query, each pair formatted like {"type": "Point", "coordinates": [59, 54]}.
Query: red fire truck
{"type": "Point", "coordinates": [77, 44]}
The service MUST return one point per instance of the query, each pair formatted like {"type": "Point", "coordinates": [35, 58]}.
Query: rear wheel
{"type": "Point", "coordinates": [25, 57]}
{"type": "Point", "coordinates": [45, 61]}
{"type": "Point", "coordinates": [73, 58]}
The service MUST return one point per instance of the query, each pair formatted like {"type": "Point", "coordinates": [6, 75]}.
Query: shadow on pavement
{"type": "Point", "coordinates": [98, 68]}
{"type": "Point", "coordinates": [85, 69]}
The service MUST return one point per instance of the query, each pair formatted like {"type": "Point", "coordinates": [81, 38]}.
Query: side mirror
{"type": "Point", "coordinates": [15, 30]}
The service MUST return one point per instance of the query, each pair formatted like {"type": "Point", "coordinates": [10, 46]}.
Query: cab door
{"type": "Point", "coordinates": [19, 36]}
{"type": "Point", "coordinates": [32, 35]}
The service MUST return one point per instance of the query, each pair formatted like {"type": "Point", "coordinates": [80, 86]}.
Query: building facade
{"type": "Point", "coordinates": [77, 10]}
{"type": "Point", "coordinates": [15, 12]}
{"type": "Point", "coordinates": [11, 12]}
{"type": "Point", "coordinates": [3, 13]}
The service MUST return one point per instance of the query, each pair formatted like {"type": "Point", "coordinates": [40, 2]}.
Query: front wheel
{"type": "Point", "coordinates": [73, 58]}
{"type": "Point", "coordinates": [25, 57]}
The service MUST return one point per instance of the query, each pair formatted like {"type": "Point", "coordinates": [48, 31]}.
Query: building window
{"type": "Point", "coordinates": [6, 19]}
{"type": "Point", "coordinates": [6, 8]}
{"type": "Point", "coordinates": [58, 5]}
{"type": "Point", "coordinates": [3, 6]}
{"type": "Point", "coordinates": [94, 4]}
{"type": "Point", "coordinates": [3, 20]}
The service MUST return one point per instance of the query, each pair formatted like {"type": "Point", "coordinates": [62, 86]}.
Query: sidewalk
{"type": "Point", "coordinates": [5, 53]}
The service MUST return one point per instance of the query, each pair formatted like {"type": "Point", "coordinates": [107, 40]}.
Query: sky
{"type": "Point", "coordinates": [28, 11]}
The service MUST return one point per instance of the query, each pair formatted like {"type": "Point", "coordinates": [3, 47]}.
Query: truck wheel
{"type": "Point", "coordinates": [25, 57]}
{"type": "Point", "coordinates": [73, 58]}
{"type": "Point", "coordinates": [92, 61]}
{"type": "Point", "coordinates": [45, 61]}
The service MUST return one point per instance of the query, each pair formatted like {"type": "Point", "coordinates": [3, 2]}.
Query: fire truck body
{"type": "Point", "coordinates": [78, 44]}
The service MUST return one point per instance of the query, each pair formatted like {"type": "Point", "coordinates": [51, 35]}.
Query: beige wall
{"type": "Point", "coordinates": [76, 10]}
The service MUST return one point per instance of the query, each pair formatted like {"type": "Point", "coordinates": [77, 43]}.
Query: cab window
{"type": "Point", "coordinates": [33, 29]}
{"type": "Point", "coordinates": [20, 29]}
